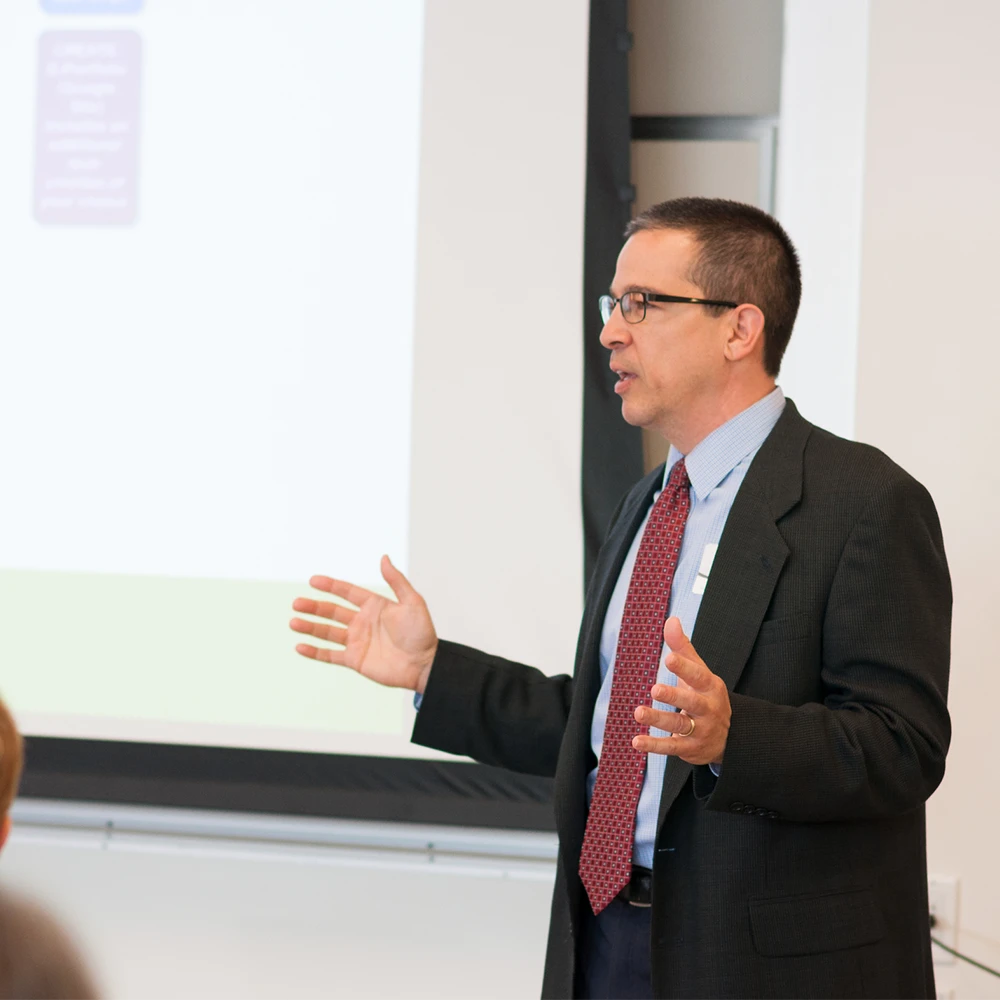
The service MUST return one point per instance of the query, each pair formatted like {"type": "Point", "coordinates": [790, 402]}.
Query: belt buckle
{"type": "Point", "coordinates": [642, 879]}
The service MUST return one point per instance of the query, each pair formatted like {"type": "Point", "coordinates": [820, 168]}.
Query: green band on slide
{"type": "Point", "coordinates": [188, 651]}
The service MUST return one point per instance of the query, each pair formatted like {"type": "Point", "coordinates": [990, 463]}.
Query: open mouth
{"type": "Point", "coordinates": [625, 379]}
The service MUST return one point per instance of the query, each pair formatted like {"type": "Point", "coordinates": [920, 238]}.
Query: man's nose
{"type": "Point", "coordinates": [615, 332]}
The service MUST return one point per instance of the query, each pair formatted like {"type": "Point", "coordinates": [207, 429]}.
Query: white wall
{"type": "Point", "coordinates": [887, 183]}
{"type": "Point", "coordinates": [927, 384]}
{"type": "Point", "coordinates": [819, 199]}
{"type": "Point", "coordinates": [169, 904]}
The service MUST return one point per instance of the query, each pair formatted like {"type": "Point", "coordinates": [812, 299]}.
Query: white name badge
{"type": "Point", "coordinates": [707, 558]}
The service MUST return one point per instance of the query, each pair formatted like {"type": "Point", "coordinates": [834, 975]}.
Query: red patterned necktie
{"type": "Point", "coordinates": [606, 858]}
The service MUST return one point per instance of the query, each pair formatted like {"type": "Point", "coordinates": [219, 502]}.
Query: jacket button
{"type": "Point", "coordinates": [762, 812]}
{"type": "Point", "coordinates": [773, 815]}
{"type": "Point", "coordinates": [736, 807]}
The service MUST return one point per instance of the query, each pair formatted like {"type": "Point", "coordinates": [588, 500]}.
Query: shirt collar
{"type": "Point", "coordinates": [712, 459]}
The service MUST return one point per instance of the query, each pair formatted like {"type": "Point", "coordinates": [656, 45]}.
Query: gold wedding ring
{"type": "Point", "coordinates": [690, 731]}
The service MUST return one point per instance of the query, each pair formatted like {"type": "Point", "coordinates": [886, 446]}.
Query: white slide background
{"type": "Point", "coordinates": [173, 389]}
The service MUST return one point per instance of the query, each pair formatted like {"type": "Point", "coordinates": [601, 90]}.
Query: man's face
{"type": "Point", "coordinates": [673, 362]}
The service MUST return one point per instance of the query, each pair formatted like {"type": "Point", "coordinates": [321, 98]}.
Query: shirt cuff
{"type": "Point", "coordinates": [418, 698]}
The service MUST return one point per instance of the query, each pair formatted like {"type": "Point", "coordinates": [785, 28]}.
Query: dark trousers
{"type": "Point", "coordinates": [614, 954]}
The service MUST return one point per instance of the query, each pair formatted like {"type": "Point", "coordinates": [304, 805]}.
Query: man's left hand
{"type": "Point", "coordinates": [701, 698]}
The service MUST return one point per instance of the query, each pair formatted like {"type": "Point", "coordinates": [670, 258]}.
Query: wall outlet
{"type": "Point", "coordinates": [942, 892]}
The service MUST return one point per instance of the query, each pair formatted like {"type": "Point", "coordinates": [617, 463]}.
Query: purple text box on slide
{"type": "Point", "coordinates": [87, 128]}
{"type": "Point", "coordinates": [92, 6]}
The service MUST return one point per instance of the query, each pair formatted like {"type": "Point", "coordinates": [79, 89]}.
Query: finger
{"type": "Point", "coordinates": [329, 633]}
{"type": "Point", "coordinates": [686, 699]}
{"type": "Point", "coordinates": [672, 746]}
{"type": "Point", "coordinates": [334, 656]}
{"type": "Point", "coordinates": [669, 722]}
{"type": "Point", "coordinates": [401, 587]}
{"type": "Point", "coordinates": [674, 637]}
{"type": "Point", "coordinates": [341, 588]}
{"type": "Point", "coordinates": [324, 609]}
{"type": "Point", "coordinates": [693, 672]}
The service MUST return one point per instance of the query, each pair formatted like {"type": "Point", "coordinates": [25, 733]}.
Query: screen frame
{"type": "Point", "coordinates": [385, 788]}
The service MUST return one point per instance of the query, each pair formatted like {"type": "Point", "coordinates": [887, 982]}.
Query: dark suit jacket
{"type": "Point", "coordinates": [800, 871]}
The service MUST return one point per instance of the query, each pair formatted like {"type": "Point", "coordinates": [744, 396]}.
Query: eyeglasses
{"type": "Point", "coordinates": [634, 304]}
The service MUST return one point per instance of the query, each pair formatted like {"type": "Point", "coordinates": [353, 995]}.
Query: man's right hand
{"type": "Point", "coordinates": [390, 642]}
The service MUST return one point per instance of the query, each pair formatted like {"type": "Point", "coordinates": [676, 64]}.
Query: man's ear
{"type": "Point", "coordinates": [746, 334]}
{"type": "Point", "coordinates": [4, 829]}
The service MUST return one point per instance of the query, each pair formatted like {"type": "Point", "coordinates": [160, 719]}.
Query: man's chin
{"type": "Point", "coordinates": [634, 415]}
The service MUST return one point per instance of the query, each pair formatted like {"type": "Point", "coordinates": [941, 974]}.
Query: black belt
{"type": "Point", "coordinates": [639, 891]}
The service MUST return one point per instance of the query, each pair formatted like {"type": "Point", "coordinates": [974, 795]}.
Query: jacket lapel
{"type": "Point", "coordinates": [609, 566]}
{"type": "Point", "coordinates": [749, 561]}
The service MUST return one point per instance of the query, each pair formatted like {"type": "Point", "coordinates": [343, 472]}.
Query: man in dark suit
{"type": "Point", "coordinates": [741, 813]}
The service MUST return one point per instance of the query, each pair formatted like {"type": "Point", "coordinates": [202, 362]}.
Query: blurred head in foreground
{"type": "Point", "coordinates": [38, 961]}
{"type": "Point", "coordinates": [11, 757]}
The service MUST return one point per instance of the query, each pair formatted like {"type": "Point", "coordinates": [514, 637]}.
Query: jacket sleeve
{"type": "Point", "coordinates": [496, 711]}
{"type": "Point", "coordinates": [876, 744]}
{"type": "Point", "coordinates": [493, 710]}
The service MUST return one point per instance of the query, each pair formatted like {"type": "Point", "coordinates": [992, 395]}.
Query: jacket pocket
{"type": "Point", "coordinates": [783, 629]}
{"type": "Point", "coordinates": [812, 925]}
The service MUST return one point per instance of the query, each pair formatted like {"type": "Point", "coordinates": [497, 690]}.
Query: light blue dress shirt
{"type": "Point", "coordinates": [716, 467]}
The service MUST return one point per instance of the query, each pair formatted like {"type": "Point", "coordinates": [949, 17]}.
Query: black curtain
{"type": "Point", "coordinates": [612, 450]}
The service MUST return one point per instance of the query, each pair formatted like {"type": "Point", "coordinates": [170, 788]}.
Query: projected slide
{"type": "Point", "coordinates": [208, 233]}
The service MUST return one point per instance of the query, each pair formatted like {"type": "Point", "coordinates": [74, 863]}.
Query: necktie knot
{"type": "Point", "coordinates": [679, 476]}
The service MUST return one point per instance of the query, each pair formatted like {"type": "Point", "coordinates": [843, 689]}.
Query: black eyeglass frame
{"type": "Point", "coordinates": [648, 297]}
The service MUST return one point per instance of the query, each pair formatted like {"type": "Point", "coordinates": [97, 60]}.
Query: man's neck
{"type": "Point", "coordinates": [687, 433]}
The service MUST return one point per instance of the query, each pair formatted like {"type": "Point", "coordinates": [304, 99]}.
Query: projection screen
{"type": "Point", "coordinates": [286, 286]}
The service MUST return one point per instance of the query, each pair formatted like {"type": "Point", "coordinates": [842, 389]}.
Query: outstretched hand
{"type": "Point", "coordinates": [702, 700]}
{"type": "Point", "coordinates": [390, 642]}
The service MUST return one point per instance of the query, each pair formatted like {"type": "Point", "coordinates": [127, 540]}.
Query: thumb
{"type": "Point", "coordinates": [401, 587]}
{"type": "Point", "coordinates": [673, 635]}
